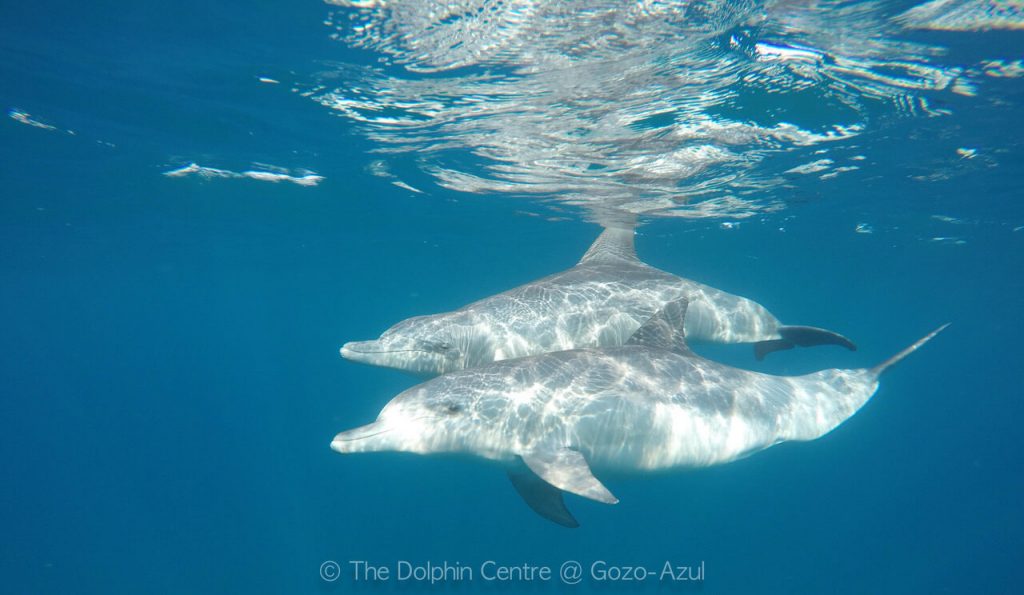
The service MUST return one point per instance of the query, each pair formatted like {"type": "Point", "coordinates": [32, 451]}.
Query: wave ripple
{"type": "Point", "coordinates": [686, 108]}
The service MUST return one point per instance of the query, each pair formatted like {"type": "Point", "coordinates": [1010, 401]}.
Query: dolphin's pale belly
{"type": "Point", "coordinates": [721, 419]}
{"type": "Point", "coordinates": [589, 306]}
{"type": "Point", "coordinates": [680, 437]}
{"type": "Point", "coordinates": [704, 418]}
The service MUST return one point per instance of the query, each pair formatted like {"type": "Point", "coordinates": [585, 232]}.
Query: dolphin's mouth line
{"type": "Point", "coordinates": [383, 431]}
{"type": "Point", "coordinates": [364, 436]}
{"type": "Point", "coordinates": [391, 351]}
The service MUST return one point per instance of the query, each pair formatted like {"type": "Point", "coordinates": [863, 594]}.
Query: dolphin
{"type": "Point", "coordinates": [650, 404]}
{"type": "Point", "coordinates": [600, 302]}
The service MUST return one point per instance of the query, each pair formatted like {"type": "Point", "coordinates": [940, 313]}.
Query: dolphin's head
{"type": "Point", "coordinates": [429, 418]}
{"type": "Point", "coordinates": [423, 345]}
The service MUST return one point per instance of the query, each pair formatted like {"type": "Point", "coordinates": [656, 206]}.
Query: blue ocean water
{"type": "Point", "coordinates": [170, 348]}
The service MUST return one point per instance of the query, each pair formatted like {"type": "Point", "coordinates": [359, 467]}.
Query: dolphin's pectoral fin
{"type": "Point", "coordinates": [801, 336]}
{"type": "Point", "coordinates": [544, 498]}
{"type": "Point", "coordinates": [567, 470]}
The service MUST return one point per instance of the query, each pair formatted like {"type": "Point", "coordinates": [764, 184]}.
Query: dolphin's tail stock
{"type": "Point", "coordinates": [802, 336]}
{"type": "Point", "coordinates": [613, 217]}
{"type": "Point", "coordinates": [882, 367]}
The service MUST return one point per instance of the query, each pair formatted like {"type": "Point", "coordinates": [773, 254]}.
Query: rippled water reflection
{"type": "Point", "coordinates": [684, 108]}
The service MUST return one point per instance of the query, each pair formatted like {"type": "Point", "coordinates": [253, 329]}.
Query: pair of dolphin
{"type": "Point", "coordinates": [645, 403]}
{"type": "Point", "coordinates": [600, 302]}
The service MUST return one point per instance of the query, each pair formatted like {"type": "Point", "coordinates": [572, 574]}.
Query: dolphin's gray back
{"type": "Point", "coordinates": [596, 304]}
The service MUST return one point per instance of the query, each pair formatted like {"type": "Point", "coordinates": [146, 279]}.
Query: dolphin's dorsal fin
{"type": "Point", "coordinates": [567, 470]}
{"type": "Point", "coordinates": [614, 244]}
{"type": "Point", "coordinates": [544, 498]}
{"type": "Point", "coordinates": [664, 330]}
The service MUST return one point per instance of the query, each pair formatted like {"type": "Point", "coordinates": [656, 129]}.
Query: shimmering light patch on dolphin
{"type": "Point", "coordinates": [526, 395]}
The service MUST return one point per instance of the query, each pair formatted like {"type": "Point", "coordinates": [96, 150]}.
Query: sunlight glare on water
{"type": "Point", "coordinates": [682, 108]}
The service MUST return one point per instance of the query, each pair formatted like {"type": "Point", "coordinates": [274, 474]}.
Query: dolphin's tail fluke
{"type": "Point", "coordinates": [802, 336]}
{"type": "Point", "coordinates": [882, 367]}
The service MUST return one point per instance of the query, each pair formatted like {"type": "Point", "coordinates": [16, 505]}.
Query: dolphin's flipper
{"type": "Point", "coordinates": [567, 470]}
{"type": "Point", "coordinates": [544, 498]}
{"type": "Point", "coordinates": [802, 336]}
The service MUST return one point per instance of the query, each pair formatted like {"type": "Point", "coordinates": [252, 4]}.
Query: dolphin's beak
{"type": "Point", "coordinates": [360, 351]}
{"type": "Point", "coordinates": [368, 438]}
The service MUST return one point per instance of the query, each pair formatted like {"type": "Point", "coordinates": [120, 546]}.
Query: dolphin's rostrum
{"type": "Point", "coordinates": [599, 302]}
{"type": "Point", "coordinates": [649, 404]}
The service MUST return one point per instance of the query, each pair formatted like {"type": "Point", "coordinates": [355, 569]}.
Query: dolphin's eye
{"type": "Point", "coordinates": [436, 346]}
{"type": "Point", "coordinates": [451, 408]}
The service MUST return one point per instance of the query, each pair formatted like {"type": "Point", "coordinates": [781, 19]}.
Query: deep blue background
{"type": "Point", "coordinates": [169, 368]}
